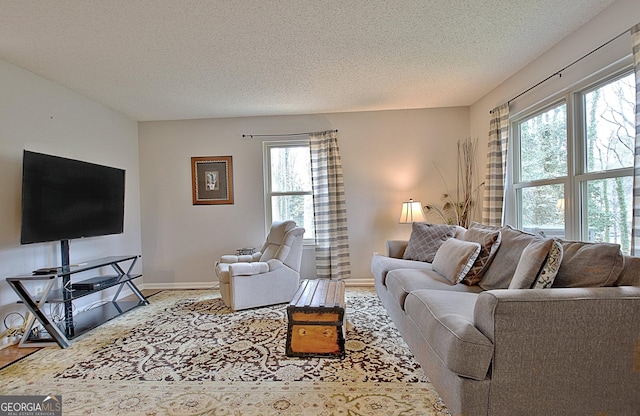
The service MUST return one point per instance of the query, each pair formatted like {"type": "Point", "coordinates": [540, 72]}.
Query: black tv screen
{"type": "Point", "coordinates": [64, 199]}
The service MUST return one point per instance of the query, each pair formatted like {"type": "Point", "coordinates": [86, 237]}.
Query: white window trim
{"type": "Point", "coordinates": [576, 175]}
{"type": "Point", "coordinates": [268, 193]}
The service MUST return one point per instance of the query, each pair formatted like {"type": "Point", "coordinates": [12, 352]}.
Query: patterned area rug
{"type": "Point", "coordinates": [187, 354]}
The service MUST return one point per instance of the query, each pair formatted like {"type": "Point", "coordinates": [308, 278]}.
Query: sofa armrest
{"type": "Point", "coordinates": [584, 342]}
{"type": "Point", "coordinates": [396, 248]}
{"type": "Point", "coordinates": [557, 307]}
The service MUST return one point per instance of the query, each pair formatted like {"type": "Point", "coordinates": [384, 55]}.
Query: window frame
{"type": "Point", "coordinates": [267, 145]}
{"type": "Point", "coordinates": [575, 183]}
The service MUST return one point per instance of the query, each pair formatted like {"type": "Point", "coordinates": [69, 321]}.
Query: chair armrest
{"type": "Point", "coordinates": [248, 269]}
{"type": "Point", "coordinates": [396, 248]}
{"type": "Point", "coordinates": [231, 258]}
{"type": "Point", "coordinates": [256, 267]}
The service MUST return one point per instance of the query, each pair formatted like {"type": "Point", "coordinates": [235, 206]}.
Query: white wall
{"type": "Point", "coordinates": [387, 158]}
{"type": "Point", "coordinates": [611, 22]}
{"type": "Point", "coordinates": [36, 114]}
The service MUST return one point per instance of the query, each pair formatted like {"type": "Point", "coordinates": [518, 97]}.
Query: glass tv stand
{"type": "Point", "coordinates": [73, 325]}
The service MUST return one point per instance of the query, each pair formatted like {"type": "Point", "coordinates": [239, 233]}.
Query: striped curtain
{"type": "Point", "coordinates": [496, 171]}
{"type": "Point", "coordinates": [329, 207]}
{"type": "Point", "coordinates": [635, 249]}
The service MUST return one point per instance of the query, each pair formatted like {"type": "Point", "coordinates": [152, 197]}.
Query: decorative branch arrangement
{"type": "Point", "coordinates": [459, 209]}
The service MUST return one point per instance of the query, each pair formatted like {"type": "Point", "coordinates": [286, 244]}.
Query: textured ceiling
{"type": "Point", "coordinates": [180, 59]}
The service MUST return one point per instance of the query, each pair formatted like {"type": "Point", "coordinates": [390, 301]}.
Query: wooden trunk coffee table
{"type": "Point", "coordinates": [316, 318]}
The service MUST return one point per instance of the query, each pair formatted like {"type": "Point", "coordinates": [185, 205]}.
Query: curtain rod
{"type": "Point", "coordinates": [251, 136]}
{"type": "Point", "coordinates": [559, 73]}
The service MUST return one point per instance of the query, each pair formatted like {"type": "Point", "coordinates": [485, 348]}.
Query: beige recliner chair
{"type": "Point", "coordinates": [267, 277]}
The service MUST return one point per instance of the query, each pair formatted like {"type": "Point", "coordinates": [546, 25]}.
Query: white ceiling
{"type": "Point", "coordinates": [183, 59]}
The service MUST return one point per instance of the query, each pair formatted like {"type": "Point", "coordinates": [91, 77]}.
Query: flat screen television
{"type": "Point", "coordinates": [64, 199]}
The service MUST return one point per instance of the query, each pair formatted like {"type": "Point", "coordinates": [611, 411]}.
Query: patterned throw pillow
{"type": "Point", "coordinates": [489, 241]}
{"type": "Point", "coordinates": [426, 239]}
{"type": "Point", "coordinates": [532, 261]}
{"type": "Point", "coordinates": [550, 268]}
{"type": "Point", "coordinates": [455, 258]}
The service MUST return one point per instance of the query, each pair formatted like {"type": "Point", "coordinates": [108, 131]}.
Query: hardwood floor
{"type": "Point", "coordinates": [12, 353]}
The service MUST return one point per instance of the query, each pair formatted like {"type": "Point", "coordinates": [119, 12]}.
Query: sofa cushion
{"type": "Point", "coordinates": [381, 265]}
{"type": "Point", "coordinates": [445, 320]}
{"type": "Point", "coordinates": [532, 260]}
{"type": "Point", "coordinates": [504, 263]}
{"type": "Point", "coordinates": [489, 241]}
{"type": "Point", "coordinates": [550, 268]}
{"type": "Point", "coordinates": [589, 264]}
{"type": "Point", "coordinates": [426, 239]}
{"type": "Point", "coordinates": [455, 258]}
{"type": "Point", "coordinates": [401, 282]}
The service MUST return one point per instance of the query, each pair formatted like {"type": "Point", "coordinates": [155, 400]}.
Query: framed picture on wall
{"type": "Point", "coordinates": [212, 180]}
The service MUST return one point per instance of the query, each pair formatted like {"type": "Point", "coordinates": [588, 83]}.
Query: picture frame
{"type": "Point", "coordinates": [212, 180]}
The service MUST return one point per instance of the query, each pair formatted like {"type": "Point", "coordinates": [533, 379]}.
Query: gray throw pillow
{"type": "Point", "coordinates": [589, 264]}
{"type": "Point", "coordinates": [532, 260]}
{"type": "Point", "coordinates": [426, 239]}
{"type": "Point", "coordinates": [503, 265]}
{"type": "Point", "coordinates": [455, 258]}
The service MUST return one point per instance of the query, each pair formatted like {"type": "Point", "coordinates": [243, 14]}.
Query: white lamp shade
{"type": "Point", "coordinates": [411, 212]}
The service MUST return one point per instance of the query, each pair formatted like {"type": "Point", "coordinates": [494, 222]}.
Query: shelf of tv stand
{"type": "Point", "coordinates": [94, 317]}
{"type": "Point", "coordinates": [60, 333]}
{"type": "Point", "coordinates": [57, 296]}
{"type": "Point", "coordinates": [93, 264]}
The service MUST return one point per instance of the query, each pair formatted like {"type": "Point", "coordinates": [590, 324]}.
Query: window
{"type": "Point", "coordinates": [288, 192]}
{"type": "Point", "coordinates": [573, 164]}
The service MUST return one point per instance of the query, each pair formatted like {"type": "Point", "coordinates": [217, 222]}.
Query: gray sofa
{"type": "Point", "coordinates": [571, 349]}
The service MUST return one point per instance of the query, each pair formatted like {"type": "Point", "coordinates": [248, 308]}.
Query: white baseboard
{"type": "Point", "coordinates": [181, 285]}
{"type": "Point", "coordinates": [353, 282]}
{"type": "Point", "coordinates": [359, 282]}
